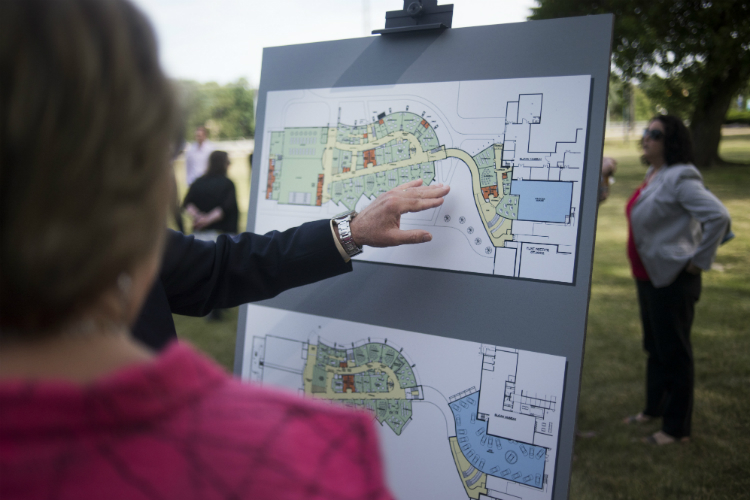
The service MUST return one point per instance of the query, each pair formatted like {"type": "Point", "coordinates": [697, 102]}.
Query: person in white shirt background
{"type": "Point", "coordinates": [196, 156]}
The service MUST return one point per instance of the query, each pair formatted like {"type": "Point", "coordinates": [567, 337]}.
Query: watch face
{"type": "Point", "coordinates": [344, 214]}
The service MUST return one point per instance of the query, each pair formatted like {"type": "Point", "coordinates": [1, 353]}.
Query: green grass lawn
{"type": "Point", "coordinates": [614, 463]}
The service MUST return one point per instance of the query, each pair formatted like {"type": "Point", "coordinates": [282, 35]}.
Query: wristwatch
{"type": "Point", "coordinates": [345, 233]}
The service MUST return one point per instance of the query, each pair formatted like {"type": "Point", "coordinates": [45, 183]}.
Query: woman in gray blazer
{"type": "Point", "coordinates": [676, 225]}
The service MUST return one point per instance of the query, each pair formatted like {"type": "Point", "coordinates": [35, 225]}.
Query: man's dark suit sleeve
{"type": "Point", "coordinates": [199, 276]}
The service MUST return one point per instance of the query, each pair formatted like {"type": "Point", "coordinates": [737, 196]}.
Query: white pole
{"type": "Point", "coordinates": [366, 18]}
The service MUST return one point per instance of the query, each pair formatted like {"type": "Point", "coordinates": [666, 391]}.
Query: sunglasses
{"type": "Point", "coordinates": [653, 134]}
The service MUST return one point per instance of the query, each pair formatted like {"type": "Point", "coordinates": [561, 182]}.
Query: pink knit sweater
{"type": "Point", "coordinates": [180, 428]}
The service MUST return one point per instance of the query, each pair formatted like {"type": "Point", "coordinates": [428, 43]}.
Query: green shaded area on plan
{"type": "Point", "coordinates": [313, 165]}
{"type": "Point", "coordinates": [383, 353]}
{"type": "Point", "coordinates": [508, 207]}
{"type": "Point", "coordinates": [295, 161]}
{"type": "Point", "coordinates": [408, 122]}
{"type": "Point", "coordinates": [395, 413]}
{"type": "Point", "coordinates": [380, 129]}
{"type": "Point", "coordinates": [319, 380]}
{"type": "Point", "coordinates": [349, 191]}
{"type": "Point", "coordinates": [326, 357]}
{"type": "Point", "coordinates": [373, 376]}
{"type": "Point", "coordinates": [348, 134]}
{"type": "Point", "coordinates": [406, 376]}
{"type": "Point", "coordinates": [485, 161]}
{"type": "Point", "coordinates": [392, 151]}
{"type": "Point", "coordinates": [330, 356]}
{"type": "Point", "coordinates": [341, 161]}
{"type": "Point", "coordinates": [427, 138]}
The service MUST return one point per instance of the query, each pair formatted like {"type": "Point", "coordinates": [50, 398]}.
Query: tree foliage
{"type": "Point", "coordinates": [619, 101]}
{"type": "Point", "coordinates": [672, 95]}
{"type": "Point", "coordinates": [698, 46]}
{"type": "Point", "coordinates": [227, 111]}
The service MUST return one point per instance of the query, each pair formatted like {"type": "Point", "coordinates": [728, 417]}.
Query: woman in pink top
{"type": "Point", "coordinates": [85, 411]}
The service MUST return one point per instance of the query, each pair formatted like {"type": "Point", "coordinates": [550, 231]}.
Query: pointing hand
{"type": "Point", "coordinates": [379, 225]}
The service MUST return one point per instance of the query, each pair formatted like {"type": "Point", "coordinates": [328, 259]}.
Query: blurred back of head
{"type": "Point", "coordinates": [218, 161]}
{"type": "Point", "coordinates": [86, 121]}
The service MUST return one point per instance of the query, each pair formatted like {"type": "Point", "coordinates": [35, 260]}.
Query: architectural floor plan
{"type": "Point", "coordinates": [511, 150]}
{"type": "Point", "coordinates": [458, 419]}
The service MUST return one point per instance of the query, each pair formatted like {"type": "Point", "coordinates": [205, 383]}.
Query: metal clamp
{"type": "Point", "coordinates": [418, 15]}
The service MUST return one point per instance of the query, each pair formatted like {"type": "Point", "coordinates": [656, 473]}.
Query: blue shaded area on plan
{"type": "Point", "coordinates": [543, 201]}
{"type": "Point", "coordinates": [493, 455]}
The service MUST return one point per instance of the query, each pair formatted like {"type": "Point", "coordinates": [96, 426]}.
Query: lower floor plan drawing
{"type": "Point", "coordinates": [458, 419]}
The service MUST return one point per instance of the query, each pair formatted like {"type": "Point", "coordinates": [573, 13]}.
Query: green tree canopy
{"type": "Point", "coordinates": [227, 111]}
{"type": "Point", "coordinates": [619, 101]}
{"type": "Point", "coordinates": [697, 51]}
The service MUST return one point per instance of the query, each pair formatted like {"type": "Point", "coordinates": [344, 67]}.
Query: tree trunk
{"type": "Point", "coordinates": [711, 106]}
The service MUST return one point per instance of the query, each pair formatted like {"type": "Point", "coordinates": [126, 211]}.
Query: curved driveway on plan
{"type": "Point", "coordinates": [486, 210]}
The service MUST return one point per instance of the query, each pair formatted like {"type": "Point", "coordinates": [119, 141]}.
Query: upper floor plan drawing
{"type": "Point", "coordinates": [512, 152]}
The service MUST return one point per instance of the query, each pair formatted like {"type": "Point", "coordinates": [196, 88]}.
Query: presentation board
{"type": "Point", "coordinates": [468, 349]}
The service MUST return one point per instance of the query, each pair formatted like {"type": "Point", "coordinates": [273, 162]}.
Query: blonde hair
{"type": "Point", "coordinates": [87, 118]}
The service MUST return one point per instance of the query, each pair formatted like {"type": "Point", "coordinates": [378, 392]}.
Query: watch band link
{"type": "Point", "coordinates": [345, 234]}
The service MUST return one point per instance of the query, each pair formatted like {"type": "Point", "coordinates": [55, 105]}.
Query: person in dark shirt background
{"type": "Point", "coordinates": [211, 200]}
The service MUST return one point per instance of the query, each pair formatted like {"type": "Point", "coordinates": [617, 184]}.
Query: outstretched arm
{"type": "Point", "coordinates": [199, 276]}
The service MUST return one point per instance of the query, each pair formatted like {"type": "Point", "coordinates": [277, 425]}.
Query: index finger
{"type": "Point", "coordinates": [418, 204]}
{"type": "Point", "coordinates": [437, 190]}
{"type": "Point", "coordinates": [407, 185]}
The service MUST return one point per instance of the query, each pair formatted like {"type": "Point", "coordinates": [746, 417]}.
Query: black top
{"type": "Point", "coordinates": [197, 276]}
{"type": "Point", "coordinates": [211, 191]}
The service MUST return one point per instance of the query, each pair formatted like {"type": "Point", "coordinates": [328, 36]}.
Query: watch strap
{"type": "Point", "coordinates": [345, 233]}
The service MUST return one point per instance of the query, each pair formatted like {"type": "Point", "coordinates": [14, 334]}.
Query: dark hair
{"type": "Point", "coordinates": [86, 131]}
{"type": "Point", "coordinates": [678, 148]}
{"type": "Point", "coordinates": [218, 161]}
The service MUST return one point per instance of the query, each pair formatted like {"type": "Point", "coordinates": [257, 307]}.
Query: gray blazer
{"type": "Point", "coordinates": [676, 220]}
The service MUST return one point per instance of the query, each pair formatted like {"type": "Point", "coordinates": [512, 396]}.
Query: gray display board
{"type": "Point", "coordinates": [537, 315]}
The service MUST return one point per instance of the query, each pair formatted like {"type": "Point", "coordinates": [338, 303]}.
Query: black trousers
{"type": "Point", "coordinates": [667, 316]}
